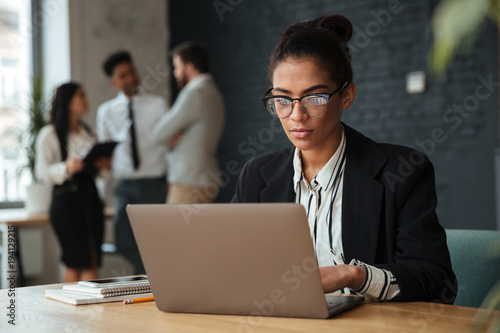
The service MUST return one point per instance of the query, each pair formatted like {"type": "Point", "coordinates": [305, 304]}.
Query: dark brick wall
{"type": "Point", "coordinates": [384, 51]}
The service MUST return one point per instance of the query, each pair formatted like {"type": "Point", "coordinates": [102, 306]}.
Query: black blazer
{"type": "Point", "coordinates": [388, 211]}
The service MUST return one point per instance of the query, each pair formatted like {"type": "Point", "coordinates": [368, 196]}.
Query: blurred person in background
{"type": "Point", "coordinates": [192, 128]}
{"type": "Point", "coordinates": [76, 211]}
{"type": "Point", "coordinates": [138, 161]}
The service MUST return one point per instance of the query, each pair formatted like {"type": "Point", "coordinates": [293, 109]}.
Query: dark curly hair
{"type": "Point", "coordinates": [323, 39]}
{"type": "Point", "coordinates": [115, 59]}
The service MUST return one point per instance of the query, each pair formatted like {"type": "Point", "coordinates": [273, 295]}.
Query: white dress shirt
{"type": "Point", "coordinates": [113, 124]}
{"type": "Point", "coordinates": [198, 113]}
{"type": "Point", "coordinates": [49, 166]}
{"type": "Point", "coordinates": [322, 200]}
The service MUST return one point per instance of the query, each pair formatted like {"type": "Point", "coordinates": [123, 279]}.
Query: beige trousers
{"type": "Point", "coordinates": [181, 194]}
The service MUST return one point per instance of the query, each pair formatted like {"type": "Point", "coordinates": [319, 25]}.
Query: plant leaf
{"type": "Point", "coordinates": [455, 25]}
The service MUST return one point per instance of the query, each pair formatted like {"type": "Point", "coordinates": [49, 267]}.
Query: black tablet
{"type": "Point", "coordinates": [101, 149]}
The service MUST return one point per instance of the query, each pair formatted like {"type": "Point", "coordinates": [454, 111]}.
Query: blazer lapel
{"type": "Point", "coordinates": [280, 184]}
{"type": "Point", "coordinates": [362, 197]}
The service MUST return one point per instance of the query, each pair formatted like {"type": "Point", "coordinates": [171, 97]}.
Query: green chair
{"type": "Point", "coordinates": [475, 258]}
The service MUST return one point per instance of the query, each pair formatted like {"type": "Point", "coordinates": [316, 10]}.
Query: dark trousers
{"type": "Point", "coordinates": [134, 191]}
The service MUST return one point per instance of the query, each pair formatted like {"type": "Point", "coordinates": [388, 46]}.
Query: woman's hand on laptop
{"type": "Point", "coordinates": [338, 277]}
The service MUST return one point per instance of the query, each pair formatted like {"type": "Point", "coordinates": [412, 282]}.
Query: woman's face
{"type": "Point", "coordinates": [78, 105]}
{"type": "Point", "coordinates": [297, 77]}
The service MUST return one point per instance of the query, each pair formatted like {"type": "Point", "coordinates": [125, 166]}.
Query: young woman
{"type": "Point", "coordinates": [76, 212]}
{"type": "Point", "coordinates": [374, 227]}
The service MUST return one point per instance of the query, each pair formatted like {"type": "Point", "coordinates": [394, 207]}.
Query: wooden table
{"type": "Point", "coordinates": [21, 218]}
{"type": "Point", "coordinates": [35, 313]}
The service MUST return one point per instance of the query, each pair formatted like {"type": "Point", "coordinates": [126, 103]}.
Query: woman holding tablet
{"type": "Point", "coordinates": [374, 227]}
{"type": "Point", "coordinates": [76, 211]}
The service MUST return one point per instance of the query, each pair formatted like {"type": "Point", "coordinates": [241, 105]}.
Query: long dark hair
{"type": "Point", "coordinates": [59, 114]}
{"type": "Point", "coordinates": [323, 39]}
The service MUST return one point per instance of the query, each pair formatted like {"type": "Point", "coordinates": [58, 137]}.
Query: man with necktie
{"type": "Point", "coordinates": [138, 162]}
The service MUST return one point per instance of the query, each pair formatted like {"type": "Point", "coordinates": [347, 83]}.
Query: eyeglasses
{"type": "Point", "coordinates": [314, 105]}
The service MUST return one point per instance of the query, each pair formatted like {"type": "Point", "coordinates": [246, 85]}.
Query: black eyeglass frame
{"type": "Point", "coordinates": [327, 96]}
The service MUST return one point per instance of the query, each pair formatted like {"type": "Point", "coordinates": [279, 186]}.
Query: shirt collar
{"type": "Point", "coordinates": [324, 178]}
{"type": "Point", "coordinates": [198, 80]}
{"type": "Point", "coordinates": [298, 176]}
{"type": "Point", "coordinates": [121, 97]}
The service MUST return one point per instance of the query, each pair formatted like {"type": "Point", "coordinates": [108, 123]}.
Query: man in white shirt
{"type": "Point", "coordinates": [138, 161]}
{"type": "Point", "coordinates": [192, 129]}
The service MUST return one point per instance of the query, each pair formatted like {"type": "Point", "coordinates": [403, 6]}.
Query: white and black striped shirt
{"type": "Point", "coordinates": [322, 200]}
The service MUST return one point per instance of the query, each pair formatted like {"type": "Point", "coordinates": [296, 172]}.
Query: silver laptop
{"type": "Point", "coordinates": [240, 259]}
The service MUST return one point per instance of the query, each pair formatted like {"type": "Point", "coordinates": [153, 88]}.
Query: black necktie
{"type": "Point", "coordinates": [133, 143]}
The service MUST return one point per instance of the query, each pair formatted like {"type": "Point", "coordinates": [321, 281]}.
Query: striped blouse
{"type": "Point", "coordinates": [322, 199]}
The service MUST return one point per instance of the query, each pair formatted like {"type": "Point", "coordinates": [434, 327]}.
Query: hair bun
{"type": "Point", "coordinates": [338, 24]}
{"type": "Point", "coordinates": [323, 39]}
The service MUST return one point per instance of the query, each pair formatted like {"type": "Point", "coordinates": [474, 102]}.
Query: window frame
{"type": "Point", "coordinates": [35, 63]}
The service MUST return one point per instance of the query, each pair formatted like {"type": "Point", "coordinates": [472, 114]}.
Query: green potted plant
{"type": "Point", "coordinates": [37, 195]}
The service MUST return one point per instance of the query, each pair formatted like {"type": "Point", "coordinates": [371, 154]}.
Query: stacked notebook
{"type": "Point", "coordinates": [76, 294]}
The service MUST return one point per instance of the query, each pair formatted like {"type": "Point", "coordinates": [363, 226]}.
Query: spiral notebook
{"type": "Point", "coordinates": [110, 291]}
{"type": "Point", "coordinates": [81, 299]}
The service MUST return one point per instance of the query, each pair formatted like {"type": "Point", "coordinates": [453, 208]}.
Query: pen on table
{"type": "Point", "coordinates": [138, 300]}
